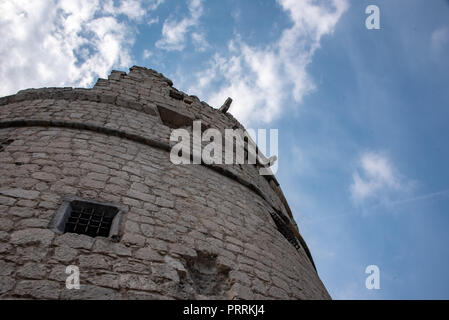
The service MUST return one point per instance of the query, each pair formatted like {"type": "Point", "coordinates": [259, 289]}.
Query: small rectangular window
{"type": "Point", "coordinates": [92, 218]}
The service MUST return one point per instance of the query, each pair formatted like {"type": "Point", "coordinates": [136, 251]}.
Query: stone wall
{"type": "Point", "coordinates": [189, 231]}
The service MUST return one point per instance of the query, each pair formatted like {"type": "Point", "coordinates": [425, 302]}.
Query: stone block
{"type": "Point", "coordinates": [32, 236]}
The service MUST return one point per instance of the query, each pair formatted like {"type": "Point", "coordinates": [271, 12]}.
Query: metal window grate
{"type": "Point", "coordinates": [285, 230]}
{"type": "Point", "coordinates": [92, 219]}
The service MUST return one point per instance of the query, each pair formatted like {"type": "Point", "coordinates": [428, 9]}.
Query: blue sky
{"type": "Point", "coordinates": [362, 114]}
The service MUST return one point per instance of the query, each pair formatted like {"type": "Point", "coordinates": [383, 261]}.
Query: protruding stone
{"type": "Point", "coordinates": [176, 95]}
{"type": "Point", "coordinates": [116, 75]}
{"type": "Point", "coordinates": [225, 107]}
{"type": "Point", "coordinates": [272, 160]}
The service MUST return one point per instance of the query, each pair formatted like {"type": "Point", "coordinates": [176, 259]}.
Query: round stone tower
{"type": "Point", "coordinates": [87, 188]}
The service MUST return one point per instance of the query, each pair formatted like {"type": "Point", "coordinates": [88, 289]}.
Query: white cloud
{"type": "Point", "coordinates": [153, 21]}
{"type": "Point", "coordinates": [153, 4]}
{"type": "Point", "coordinates": [199, 41]}
{"type": "Point", "coordinates": [130, 8]}
{"type": "Point", "coordinates": [440, 40]}
{"type": "Point", "coordinates": [375, 178]}
{"type": "Point", "coordinates": [236, 14]}
{"type": "Point", "coordinates": [174, 32]}
{"type": "Point", "coordinates": [258, 78]}
{"type": "Point", "coordinates": [65, 42]}
{"type": "Point", "coordinates": [146, 54]}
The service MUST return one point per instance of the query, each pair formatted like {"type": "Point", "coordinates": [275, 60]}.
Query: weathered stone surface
{"type": "Point", "coordinates": [148, 254]}
{"type": "Point", "coordinates": [7, 200]}
{"type": "Point", "coordinates": [6, 268]}
{"type": "Point", "coordinates": [278, 293]}
{"type": "Point", "coordinates": [159, 245]}
{"type": "Point", "coordinates": [32, 235]}
{"type": "Point", "coordinates": [5, 247]}
{"type": "Point", "coordinates": [132, 227]}
{"type": "Point", "coordinates": [107, 247]}
{"type": "Point", "coordinates": [164, 202]}
{"type": "Point", "coordinates": [6, 224]}
{"type": "Point", "coordinates": [141, 196]}
{"type": "Point", "coordinates": [105, 280]}
{"type": "Point", "coordinates": [39, 289]}
{"type": "Point", "coordinates": [65, 254]}
{"type": "Point", "coordinates": [4, 236]}
{"type": "Point", "coordinates": [32, 223]}
{"type": "Point", "coordinates": [19, 193]}
{"type": "Point", "coordinates": [188, 232]}
{"type": "Point", "coordinates": [133, 239]}
{"type": "Point", "coordinates": [90, 292]}
{"type": "Point", "coordinates": [74, 240]}
{"type": "Point", "coordinates": [224, 263]}
{"type": "Point", "coordinates": [183, 250]}
{"type": "Point", "coordinates": [175, 264]}
{"type": "Point", "coordinates": [32, 271]}
{"type": "Point", "coordinates": [142, 295]}
{"type": "Point", "coordinates": [240, 291]}
{"type": "Point", "coordinates": [147, 230]}
{"type": "Point", "coordinates": [44, 176]}
{"type": "Point", "coordinates": [124, 267]}
{"type": "Point", "coordinates": [259, 286]}
{"type": "Point", "coordinates": [6, 284]}
{"type": "Point", "coordinates": [94, 261]}
{"type": "Point", "coordinates": [238, 276]}
{"type": "Point", "coordinates": [31, 253]}
{"type": "Point", "coordinates": [164, 271]}
{"type": "Point", "coordinates": [22, 212]}
{"type": "Point", "coordinates": [58, 273]}
{"type": "Point", "coordinates": [137, 282]}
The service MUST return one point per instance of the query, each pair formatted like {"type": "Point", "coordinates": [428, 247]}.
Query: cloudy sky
{"type": "Point", "coordinates": [362, 114]}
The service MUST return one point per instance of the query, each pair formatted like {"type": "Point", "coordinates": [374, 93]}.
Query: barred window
{"type": "Point", "coordinates": [92, 218]}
